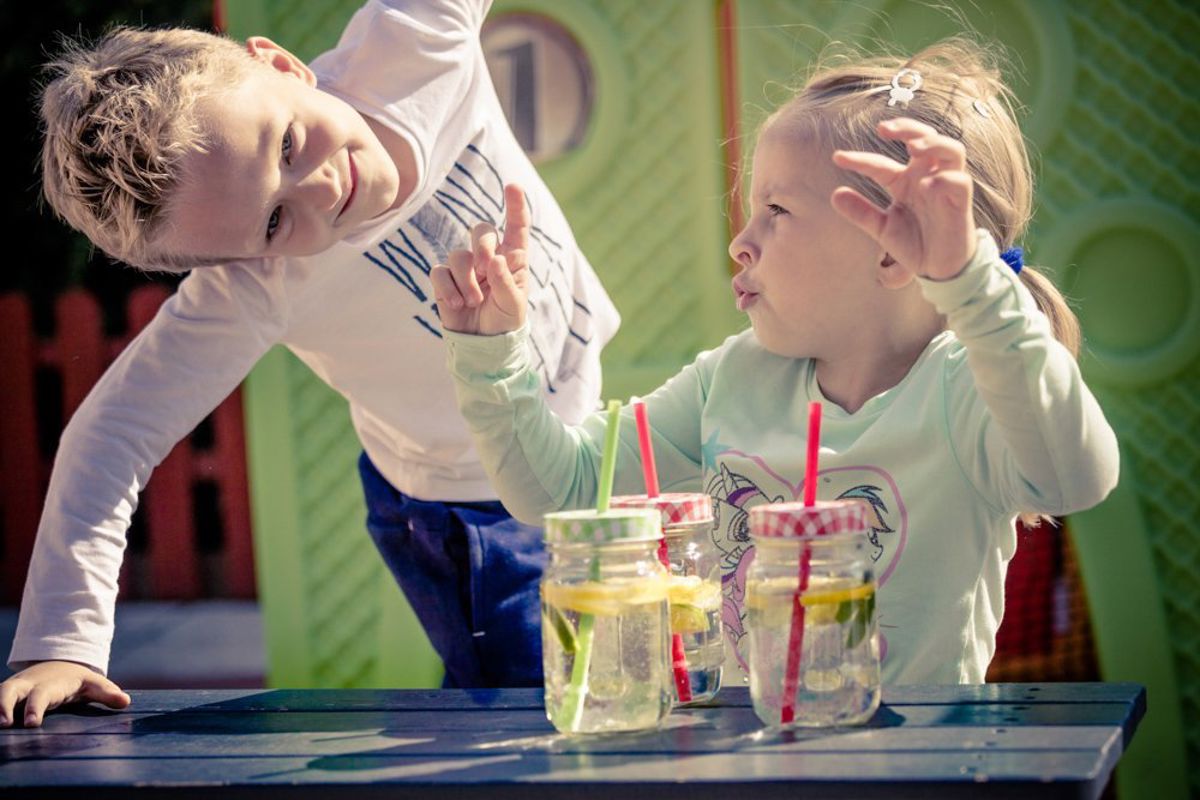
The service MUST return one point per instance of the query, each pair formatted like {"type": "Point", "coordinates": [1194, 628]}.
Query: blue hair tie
{"type": "Point", "coordinates": [1012, 257]}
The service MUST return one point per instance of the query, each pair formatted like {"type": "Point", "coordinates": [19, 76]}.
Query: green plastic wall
{"type": "Point", "coordinates": [646, 193]}
{"type": "Point", "coordinates": [1114, 118]}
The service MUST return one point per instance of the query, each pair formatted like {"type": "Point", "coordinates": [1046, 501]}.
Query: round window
{"type": "Point", "coordinates": [544, 81]}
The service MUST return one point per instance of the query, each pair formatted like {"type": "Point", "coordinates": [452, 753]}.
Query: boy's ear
{"type": "Point", "coordinates": [279, 58]}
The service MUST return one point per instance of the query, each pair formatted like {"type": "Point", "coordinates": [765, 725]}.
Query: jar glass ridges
{"type": "Point", "coordinates": [837, 680]}
{"type": "Point", "coordinates": [694, 590]}
{"type": "Point", "coordinates": [605, 622]}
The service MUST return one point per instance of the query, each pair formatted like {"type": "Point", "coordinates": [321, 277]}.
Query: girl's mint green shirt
{"type": "Point", "coordinates": [992, 420]}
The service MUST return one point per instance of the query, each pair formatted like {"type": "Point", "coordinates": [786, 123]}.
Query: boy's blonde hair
{"type": "Point", "coordinates": [961, 95]}
{"type": "Point", "coordinates": [118, 119]}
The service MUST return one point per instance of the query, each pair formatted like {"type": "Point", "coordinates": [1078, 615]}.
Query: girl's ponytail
{"type": "Point", "coordinates": [1050, 302]}
{"type": "Point", "coordinates": [1065, 326]}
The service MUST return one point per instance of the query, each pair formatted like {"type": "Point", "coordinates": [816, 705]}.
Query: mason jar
{"type": "Point", "coordinates": [810, 615]}
{"type": "Point", "coordinates": [606, 643]}
{"type": "Point", "coordinates": [693, 589]}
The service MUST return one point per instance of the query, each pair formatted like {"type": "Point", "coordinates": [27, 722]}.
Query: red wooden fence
{"type": "Point", "coordinates": [172, 565]}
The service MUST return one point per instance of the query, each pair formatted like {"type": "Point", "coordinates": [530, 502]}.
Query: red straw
{"type": "Point", "coordinates": [643, 429]}
{"type": "Point", "coordinates": [683, 687]}
{"type": "Point", "coordinates": [814, 447]}
{"type": "Point", "coordinates": [791, 677]}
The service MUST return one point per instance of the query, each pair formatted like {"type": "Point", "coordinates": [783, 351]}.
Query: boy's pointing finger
{"type": "Point", "coordinates": [454, 283]}
{"type": "Point", "coordinates": [484, 241]}
{"type": "Point", "coordinates": [516, 220]}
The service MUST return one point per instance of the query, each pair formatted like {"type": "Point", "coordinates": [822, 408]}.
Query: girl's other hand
{"type": "Point", "coordinates": [50, 684]}
{"type": "Point", "coordinates": [483, 290]}
{"type": "Point", "coordinates": [929, 227]}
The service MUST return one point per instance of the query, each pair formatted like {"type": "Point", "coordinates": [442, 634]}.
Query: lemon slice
{"type": "Point", "coordinates": [822, 601]}
{"type": "Point", "coordinates": [765, 594]}
{"type": "Point", "coordinates": [687, 618]}
{"type": "Point", "coordinates": [827, 606]}
{"type": "Point", "coordinates": [690, 590]}
{"type": "Point", "coordinates": [607, 599]}
{"type": "Point", "coordinates": [835, 596]}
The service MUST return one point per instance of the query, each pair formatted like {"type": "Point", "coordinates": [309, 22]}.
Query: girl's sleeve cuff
{"type": "Point", "coordinates": [491, 358]}
{"type": "Point", "coordinates": [950, 295]}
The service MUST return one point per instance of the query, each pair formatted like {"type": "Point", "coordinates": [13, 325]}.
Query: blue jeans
{"type": "Point", "coordinates": [471, 573]}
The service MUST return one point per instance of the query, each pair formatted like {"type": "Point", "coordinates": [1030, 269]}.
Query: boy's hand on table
{"type": "Point", "coordinates": [483, 291]}
{"type": "Point", "coordinates": [50, 684]}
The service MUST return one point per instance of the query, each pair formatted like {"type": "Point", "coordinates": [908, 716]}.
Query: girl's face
{"type": "Point", "coordinates": [807, 274]}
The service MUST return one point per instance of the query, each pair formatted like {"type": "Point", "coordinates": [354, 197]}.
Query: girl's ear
{"type": "Point", "coordinates": [279, 58]}
{"type": "Point", "coordinates": [891, 274]}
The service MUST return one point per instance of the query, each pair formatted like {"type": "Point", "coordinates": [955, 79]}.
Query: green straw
{"type": "Point", "coordinates": [572, 707]}
{"type": "Point", "coordinates": [608, 462]}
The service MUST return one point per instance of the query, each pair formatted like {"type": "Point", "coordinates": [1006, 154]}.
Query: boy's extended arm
{"type": "Point", "coordinates": [200, 345]}
{"type": "Point", "coordinates": [535, 461]}
{"type": "Point", "coordinates": [1032, 438]}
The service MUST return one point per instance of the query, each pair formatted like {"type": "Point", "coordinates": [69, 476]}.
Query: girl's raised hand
{"type": "Point", "coordinates": [929, 227]}
{"type": "Point", "coordinates": [483, 290]}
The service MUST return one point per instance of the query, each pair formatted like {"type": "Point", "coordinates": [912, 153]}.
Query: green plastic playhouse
{"type": "Point", "coordinates": [1113, 113]}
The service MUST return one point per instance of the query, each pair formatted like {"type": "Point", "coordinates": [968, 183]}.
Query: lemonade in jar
{"type": "Point", "coordinates": [606, 644]}
{"type": "Point", "coordinates": [694, 590]}
{"type": "Point", "coordinates": [810, 615]}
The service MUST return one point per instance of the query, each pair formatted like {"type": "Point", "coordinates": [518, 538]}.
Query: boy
{"type": "Point", "coordinates": [310, 205]}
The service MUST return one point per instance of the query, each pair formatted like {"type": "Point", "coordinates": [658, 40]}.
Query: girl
{"type": "Point", "coordinates": [871, 269]}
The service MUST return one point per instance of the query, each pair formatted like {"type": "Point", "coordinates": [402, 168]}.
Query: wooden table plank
{"type": "Point", "coordinates": [241, 700]}
{"type": "Point", "coordinates": [530, 721]}
{"type": "Point", "coordinates": [1022, 741]}
{"type": "Point", "coordinates": [552, 768]}
{"type": "Point", "coordinates": [253, 745]}
{"type": "Point", "coordinates": [480, 775]}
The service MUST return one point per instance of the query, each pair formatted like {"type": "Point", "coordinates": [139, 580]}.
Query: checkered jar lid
{"type": "Point", "coordinates": [776, 520]}
{"type": "Point", "coordinates": [615, 525]}
{"type": "Point", "coordinates": [677, 508]}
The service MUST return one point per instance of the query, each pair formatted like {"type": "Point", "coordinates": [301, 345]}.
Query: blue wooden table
{"type": "Point", "coordinates": [996, 740]}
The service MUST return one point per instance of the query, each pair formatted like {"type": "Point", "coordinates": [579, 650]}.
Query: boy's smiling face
{"type": "Point", "coordinates": [291, 169]}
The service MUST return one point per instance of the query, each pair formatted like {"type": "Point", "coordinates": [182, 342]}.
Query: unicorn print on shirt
{"type": "Point", "coordinates": [733, 496]}
{"type": "Point", "coordinates": [742, 481]}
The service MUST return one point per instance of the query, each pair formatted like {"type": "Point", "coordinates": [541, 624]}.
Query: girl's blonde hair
{"type": "Point", "coordinates": [118, 119]}
{"type": "Point", "coordinates": [961, 95]}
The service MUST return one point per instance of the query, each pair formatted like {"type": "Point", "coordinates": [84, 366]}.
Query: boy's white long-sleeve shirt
{"type": "Point", "coordinates": [992, 420]}
{"type": "Point", "coordinates": [360, 314]}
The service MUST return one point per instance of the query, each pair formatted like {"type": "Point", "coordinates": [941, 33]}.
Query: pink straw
{"type": "Point", "coordinates": [791, 677]}
{"type": "Point", "coordinates": [683, 687]}
{"type": "Point", "coordinates": [814, 447]}
{"type": "Point", "coordinates": [643, 429]}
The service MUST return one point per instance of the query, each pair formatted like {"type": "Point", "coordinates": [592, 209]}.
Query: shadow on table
{"type": "Point", "coordinates": [487, 734]}
{"type": "Point", "coordinates": [686, 738]}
